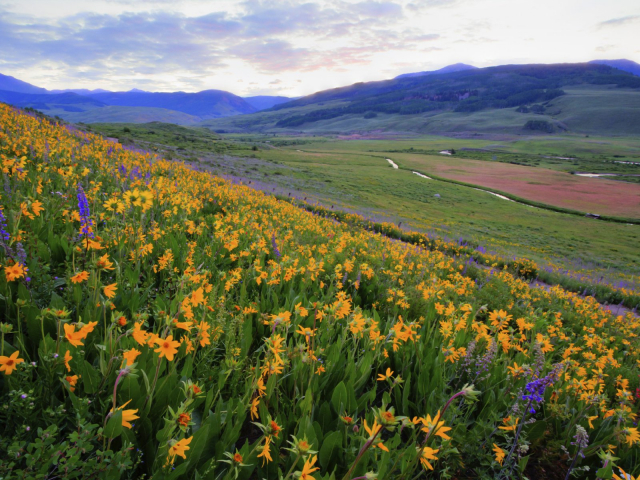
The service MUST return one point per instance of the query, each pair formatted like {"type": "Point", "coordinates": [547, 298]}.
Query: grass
{"type": "Point", "coordinates": [160, 322]}
{"type": "Point", "coordinates": [353, 176]}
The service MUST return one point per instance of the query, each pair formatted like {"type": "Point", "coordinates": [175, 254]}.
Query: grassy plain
{"type": "Point", "coordinates": [354, 175]}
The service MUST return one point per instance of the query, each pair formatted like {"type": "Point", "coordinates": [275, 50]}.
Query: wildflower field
{"type": "Point", "coordinates": [160, 322]}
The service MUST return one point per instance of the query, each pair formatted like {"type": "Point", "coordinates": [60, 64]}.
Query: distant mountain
{"type": "Point", "coordinates": [263, 102]}
{"type": "Point", "coordinates": [115, 114]}
{"type": "Point", "coordinates": [79, 91]}
{"type": "Point", "coordinates": [205, 104]}
{"type": "Point", "coordinates": [551, 98]}
{"type": "Point", "coordinates": [69, 101]}
{"type": "Point", "coordinates": [456, 67]}
{"type": "Point", "coordinates": [624, 65]}
{"type": "Point", "coordinates": [12, 84]}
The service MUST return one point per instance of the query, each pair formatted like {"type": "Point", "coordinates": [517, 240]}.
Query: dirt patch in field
{"type": "Point", "coordinates": [592, 195]}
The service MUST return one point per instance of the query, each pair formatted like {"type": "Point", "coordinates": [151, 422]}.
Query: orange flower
{"type": "Point", "coordinates": [110, 290]}
{"type": "Point", "coordinates": [130, 356]}
{"type": "Point", "coordinates": [388, 373]}
{"type": "Point", "coordinates": [67, 359]}
{"type": "Point", "coordinates": [72, 379]}
{"type": "Point", "coordinates": [275, 428]}
{"type": "Point", "coordinates": [80, 277]}
{"type": "Point", "coordinates": [127, 415]}
{"type": "Point", "coordinates": [9, 364]}
{"type": "Point", "coordinates": [428, 454]}
{"type": "Point", "coordinates": [167, 348]}
{"type": "Point", "coordinates": [103, 263]}
{"type": "Point", "coordinates": [197, 297]}
{"type": "Point", "coordinates": [500, 454]}
{"type": "Point", "coordinates": [87, 329]}
{"type": "Point", "coordinates": [265, 453]}
{"type": "Point", "coordinates": [184, 419]}
{"type": "Point", "coordinates": [14, 272]}
{"type": "Point", "coordinates": [73, 337]}
{"type": "Point", "coordinates": [237, 457]}
{"type": "Point", "coordinates": [179, 448]}
{"type": "Point", "coordinates": [309, 468]}
{"type": "Point", "coordinates": [37, 208]}
{"type": "Point", "coordinates": [139, 335]}
{"type": "Point", "coordinates": [254, 408]}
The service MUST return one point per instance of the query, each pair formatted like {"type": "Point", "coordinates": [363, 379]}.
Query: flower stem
{"type": "Point", "coordinates": [364, 448]}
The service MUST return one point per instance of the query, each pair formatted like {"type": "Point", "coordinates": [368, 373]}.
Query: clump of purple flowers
{"type": "Point", "coordinates": [4, 235]}
{"type": "Point", "coordinates": [276, 251]}
{"type": "Point", "coordinates": [537, 387]}
{"type": "Point", "coordinates": [85, 222]}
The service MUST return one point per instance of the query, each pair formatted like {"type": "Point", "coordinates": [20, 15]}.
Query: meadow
{"type": "Point", "coordinates": [162, 322]}
{"type": "Point", "coordinates": [583, 255]}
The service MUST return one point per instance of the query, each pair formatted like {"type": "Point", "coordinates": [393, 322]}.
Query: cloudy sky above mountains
{"type": "Point", "coordinates": [293, 48]}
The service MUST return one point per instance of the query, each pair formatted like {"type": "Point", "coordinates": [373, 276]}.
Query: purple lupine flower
{"type": "Point", "coordinates": [4, 235]}
{"type": "Point", "coordinates": [7, 187]}
{"type": "Point", "coordinates": [276, 251]}
{"type": "Point", "coordinates": [85, 221]}
{"type": "Point", "coordinates": [486, 361]}
{"type": "Point", "coordinates": [21, 254]}
{"type": "Point", "coordinates": [123, 170]}
{"type": "Point", "coordinates": [582, 440]}
{"type": "Point", "coordinates": [537, 387]}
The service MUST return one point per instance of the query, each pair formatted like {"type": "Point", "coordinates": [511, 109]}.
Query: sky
{"type": "Point", "coordinates": [294, 48]}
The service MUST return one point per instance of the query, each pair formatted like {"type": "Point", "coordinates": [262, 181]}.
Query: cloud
{"type": "Point", "coordinates": [420, 5]}
{"type": "Point", "coordinates": [271, 55]}
{"type": "Point", "coordinates": [265, 18]}
{"type": "Point", "coordinates": [616, 22]}
{"type": "Point", "coordinates": [605, 48]}
{"type": "Point", "coordinates": [377, 9]}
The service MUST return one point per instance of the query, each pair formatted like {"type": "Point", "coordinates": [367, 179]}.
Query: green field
{"type": "Point", "coordinates": [354, 176]}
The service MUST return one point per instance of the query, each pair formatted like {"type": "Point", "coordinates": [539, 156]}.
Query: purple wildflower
{"type": "Point", "coordinates": [4, 235]}
{"type": "Point", "coordinates": [537, 387]}
{"type": "Point", "coordinates": [276, 251]}
{"type": "Point", "coordinates": [85, 221]}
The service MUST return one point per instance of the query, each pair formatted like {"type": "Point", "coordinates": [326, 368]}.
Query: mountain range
{"type": "Point", "coordinates": [553, 97]}
{"type": "Point", "coordinates": [138, 106]}
{"type": "Point", "coordinates": [589, 98]}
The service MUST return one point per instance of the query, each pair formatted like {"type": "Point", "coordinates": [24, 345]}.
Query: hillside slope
{"type": "Point", "coordinates": [505, 97]}
{"type": "Point", "coordinates": [622, 64]}
{"type": "Point", "coordinates": [456, 67]}
{"type": "Point", "coordinates": [205, 104]}
{"type": "Point", "coordinates": [227, 321]}
{"type": "Point", "coordinates": [12, 84]}
{"type": "Point", "coordinates": [263, 102]}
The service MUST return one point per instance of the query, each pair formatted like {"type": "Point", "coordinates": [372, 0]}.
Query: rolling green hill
{"type": "Point", "coordinates": [116, 114]}
{"type": "Point", "coordinates": [581, 98]}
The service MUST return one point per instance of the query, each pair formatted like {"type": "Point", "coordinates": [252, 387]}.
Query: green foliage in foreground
{"type": "Point", "coordinates": [174, 325]}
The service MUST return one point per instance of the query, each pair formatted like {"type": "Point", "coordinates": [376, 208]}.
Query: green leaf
{"type": "Point", "coordinates": [536, 432]}
{"type": "Point", "coordinates": [339, 398]}
{"type": "Point", "coordinates": [114, 425]}
{"type": "Point", "coordinates": [331, 446]}
{"type": "Point", "coordinates": [605, 472]}
{"type": "Point", "coordinates": [406, 389]}
{"type": "Point", "coordinates": [523, 463]}
{"type": "Point", "coordinates": [197, 446]}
